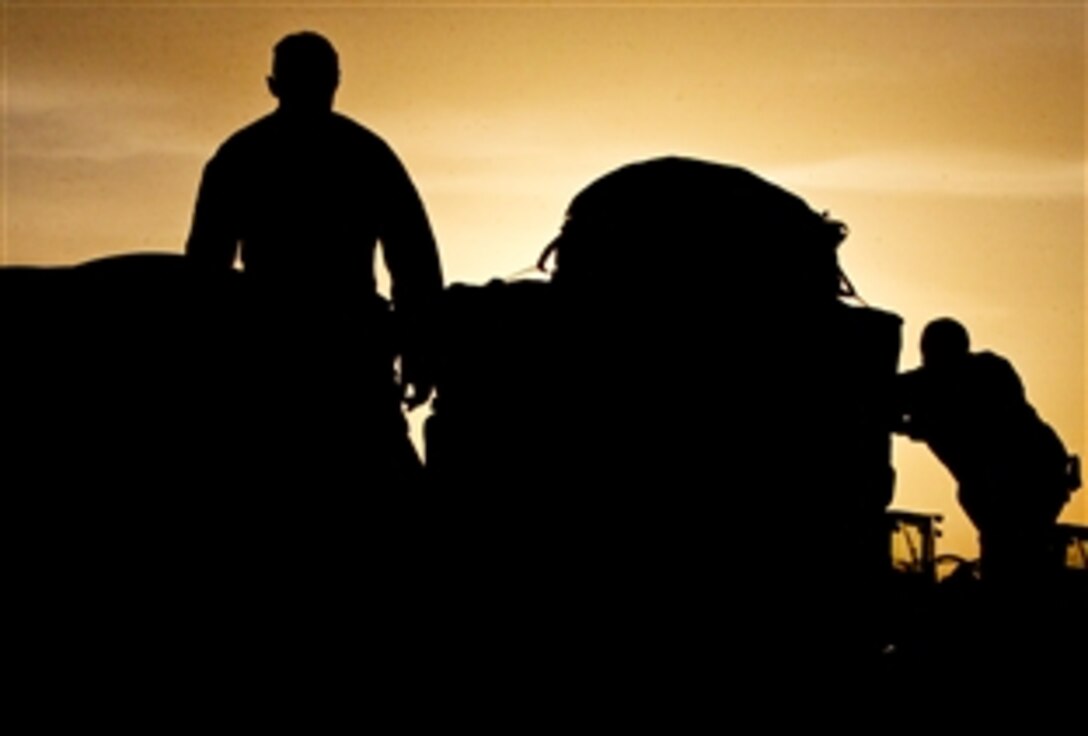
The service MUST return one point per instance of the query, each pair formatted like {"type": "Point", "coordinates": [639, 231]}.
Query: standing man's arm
{"type": "Point", "coordinates": [411, 255]}
{"type": "Point", "coordinates": [213, 238]}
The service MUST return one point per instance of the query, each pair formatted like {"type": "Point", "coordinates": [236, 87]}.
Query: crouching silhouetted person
{"type": "Point", "coordinates": [1013, 472]}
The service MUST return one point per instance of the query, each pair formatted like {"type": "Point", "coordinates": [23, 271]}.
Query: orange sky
{"type": "Point", "coordinates": [949, 136]}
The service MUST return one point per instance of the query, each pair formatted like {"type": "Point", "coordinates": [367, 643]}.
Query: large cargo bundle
{"type": "Point", "coordinates": [685, 292]}
{"type": "Point", "coordinates": [687, 408]}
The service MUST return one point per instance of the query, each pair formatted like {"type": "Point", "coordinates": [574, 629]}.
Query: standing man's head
{"type": "Point", "coordinates": [944, 342]}
{"type": "Point", "coordinates": [305, 73]}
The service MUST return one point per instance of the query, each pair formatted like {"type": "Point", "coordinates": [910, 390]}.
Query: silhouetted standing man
{"type": "Point", "coordinates": [303, 195]}
{"type": "Point", "coordinates": [1011, 467]}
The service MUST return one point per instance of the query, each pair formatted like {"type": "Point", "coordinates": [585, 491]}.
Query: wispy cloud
{"type": "Point", "coordinates": [58, 121]}
{"type": "Point", "coordinates": [960, 174]}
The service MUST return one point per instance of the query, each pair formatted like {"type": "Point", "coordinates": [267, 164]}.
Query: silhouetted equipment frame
{"type": "Point", "coordinates": [922, 555]}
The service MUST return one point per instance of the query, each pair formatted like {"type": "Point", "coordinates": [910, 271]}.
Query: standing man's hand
{"type": "Point", "coordinates": [416, 382]}
{"type": "Point", "coordinates": [417, 394]}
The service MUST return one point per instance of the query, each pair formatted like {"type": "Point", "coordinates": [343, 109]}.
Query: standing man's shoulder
{"type": "Point", "coordinates": [349, 126]}
{"type": "Point", "coordinates": [234, 156]}
{"type": "Point", "coordinates": [362, 139]}
{"type": "Point", "coordinates": [244, 140]}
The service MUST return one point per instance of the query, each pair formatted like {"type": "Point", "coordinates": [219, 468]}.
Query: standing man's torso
{"type": "Point", "coordinates": [307, 195]}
